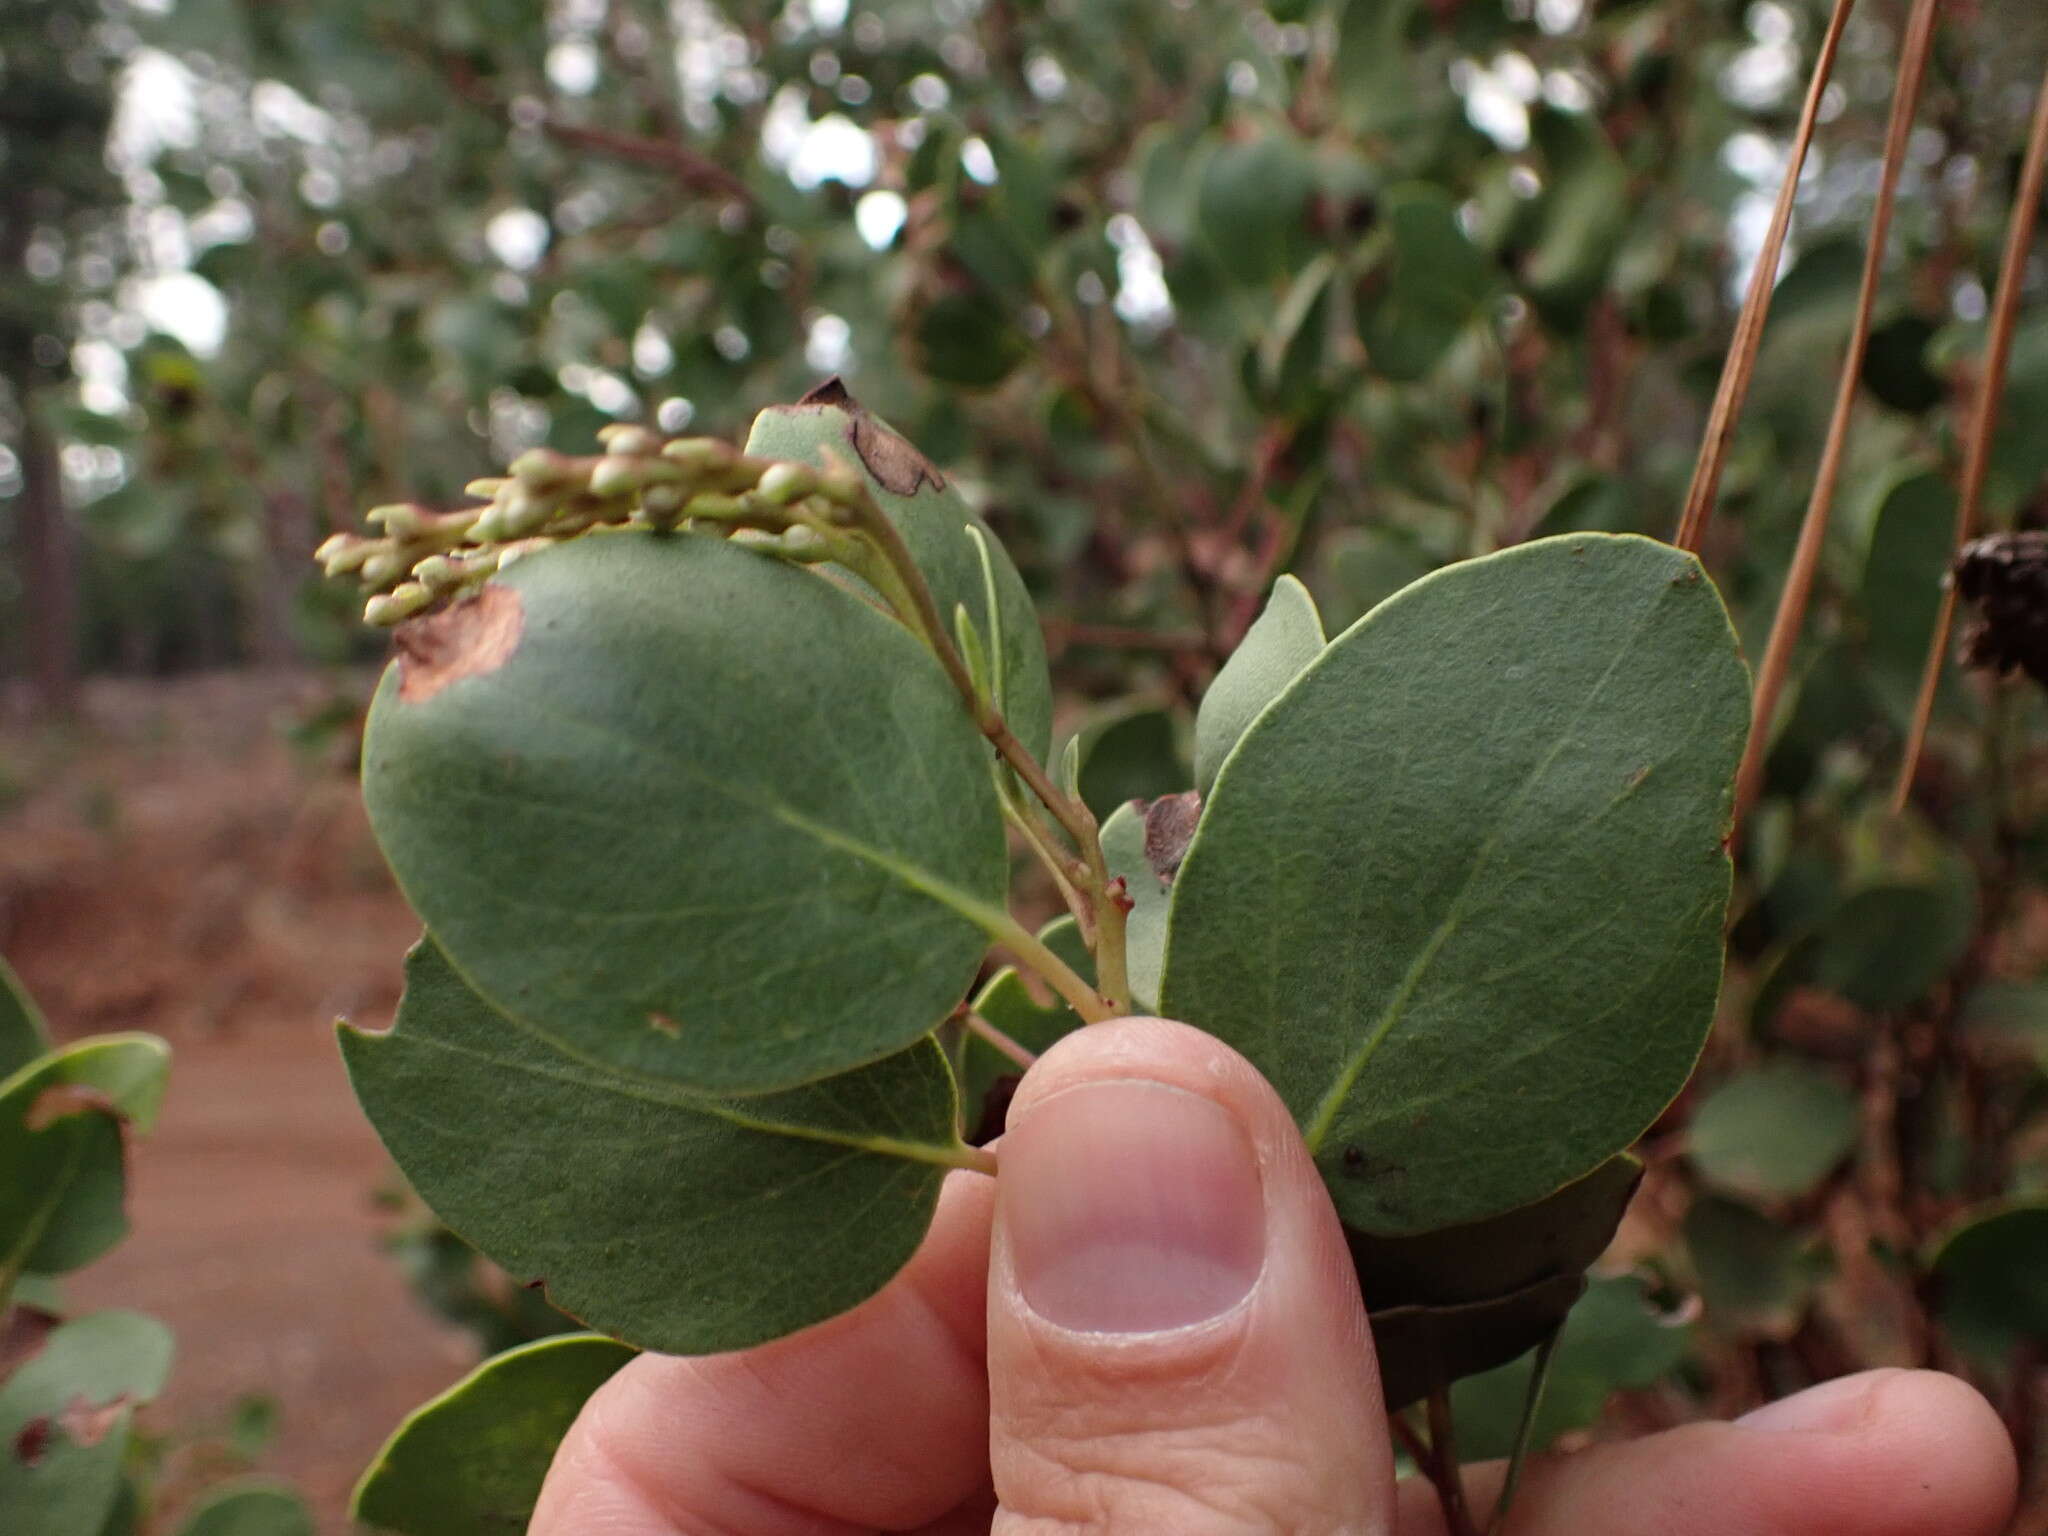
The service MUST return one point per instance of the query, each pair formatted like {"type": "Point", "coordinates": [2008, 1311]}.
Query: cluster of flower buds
{"type": "Point", "coordinates": [420, 559]}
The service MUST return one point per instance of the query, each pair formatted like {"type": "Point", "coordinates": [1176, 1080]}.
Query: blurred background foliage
{"type": "Point", "coordinates": [1185, 294]}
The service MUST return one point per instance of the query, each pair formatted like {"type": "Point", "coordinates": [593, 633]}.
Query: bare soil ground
{"type": "Point", "coordinates": [170, 863]}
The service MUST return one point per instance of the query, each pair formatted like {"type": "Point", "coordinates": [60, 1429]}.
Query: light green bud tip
{"type": "Point", "coordinates": [400, 519]}
{"type": "Point", "coordinates": [616, 476]}
{"type": "Point", "coordinates": [384, 567]}
{"type": "Point", "coordinates": [438, 573]}
{"type": "Point", "coordinates": [397, 605]}
{"type": "Point", "coordinates": [342, 553]}
{"type": "Point", "coordinates": [782, 484]}
{"type": "Point", "coordinates": [539, 467]}
{"type": "Point", "coordinates": [625, 438]}
{"type": "Point", "coordinates": [698, 453]}
{"type": "Point", "coordinates": [519, 515]}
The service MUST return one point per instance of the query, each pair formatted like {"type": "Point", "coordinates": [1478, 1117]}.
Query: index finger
{"type": "Point", "coordinates": [874, 1419]}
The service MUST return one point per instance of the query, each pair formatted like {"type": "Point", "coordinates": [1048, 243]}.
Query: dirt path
{"type": "Point", "coordinates": [174, 866]}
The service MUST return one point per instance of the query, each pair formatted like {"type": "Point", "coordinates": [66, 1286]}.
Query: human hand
{"type": "Point", "coordinates": [1148, 1322]}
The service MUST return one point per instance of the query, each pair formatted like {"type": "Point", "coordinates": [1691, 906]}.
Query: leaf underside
{"type": "Point", "coordinates": [1287, 636]}
{"type": "Point", "coordinates": [673, 1220]}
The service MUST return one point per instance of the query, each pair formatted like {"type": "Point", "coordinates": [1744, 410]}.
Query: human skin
{"type": "Point", "coordinates": [1148, 1322]}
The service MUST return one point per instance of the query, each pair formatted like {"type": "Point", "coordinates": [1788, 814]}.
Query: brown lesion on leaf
{"type": "Point", "coordinates": [87, 1422]}
{"type": "Point", "coordinates": [1169, 827]}
{"type": "Point", "coordinates": [61, 1099]}
{"type": "Point", "coordinates": [473, 638]}
{"type": "Point", "coordinates": [662, 1024]}
{"type": "Point", "coordinates": [890, 458]}
{"type": "Point", "coordinates": [832, 392]}
{"type": "Point", "coordinates": [32, 1440]}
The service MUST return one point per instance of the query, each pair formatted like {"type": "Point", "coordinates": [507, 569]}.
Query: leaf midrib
{"type": "Point", "coordinates": [1331, 1105]}
{"type": "Point", "coordinates": [659, 1095]}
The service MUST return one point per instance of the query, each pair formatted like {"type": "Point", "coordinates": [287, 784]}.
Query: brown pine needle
{"type": "Point", "coordinates": [1756, 305]}
{"type": "Point", "coordinates": [2005, 309]}
{"type": "Point", "coordinates": [1791, 614]}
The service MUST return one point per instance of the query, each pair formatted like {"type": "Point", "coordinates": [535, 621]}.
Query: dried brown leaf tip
{"type": "Point", "coordinates": [475, 637]}
{"type": "Point", "coordinates": [2004, 579]}
{"type": "Point", "coordinates": [890, 458]}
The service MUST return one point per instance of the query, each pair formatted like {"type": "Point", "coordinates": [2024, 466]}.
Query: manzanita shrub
{"type": "Point", "coordinates": [704, 769]}
{"type": "Point", "coordinates": [72, 1462]}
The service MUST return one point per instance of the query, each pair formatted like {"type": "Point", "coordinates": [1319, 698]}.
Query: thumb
{"type": "Point", "coordinates": [1175, 1339]}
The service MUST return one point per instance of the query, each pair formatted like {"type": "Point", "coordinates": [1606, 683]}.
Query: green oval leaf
{"type": "Point", "coordinates": [1438, 288]}
{"type": "Point", "coordinates": [1774, 1131]}
{"type": "Point", "coordinates": [1613, 1341]}
{"type": "Point", "coordinates": [1991, 1274]}
{"type": "Point", "coordinates": [1423, 1347]}
{"type": "Point", "coordinates": [1911, 544]}
{"type": "Point", "coordinates": [473, 1459]}
{"type": "Point", "coordinates": [1559, 1235]}
{"type": "Point", "coordinates": [23, 1034]}
{"type": "Point", "coordinates": [62, 1202]}
{"type": "Point", "coordinates": [1286, 638]}
{"type": "Point", "coordinates": [1469, 862]}
{"type": "Point", "coordinates": [1130, 753]}
{"type": "Point", "coordinates": [960, 558]}
{"type": "Point", "coordinates": [1754, 1273]}
{"type": "Point", "coordinates": [1251, 205]}
{"type": "Point", "coordinates": [263, 1509]}
{"type": "Point", "coordinates": [690, 811]}
{"type": "Point", "coordinates": [65, 1420]}
{"type": "Point", "coordinates": [674, 1220]}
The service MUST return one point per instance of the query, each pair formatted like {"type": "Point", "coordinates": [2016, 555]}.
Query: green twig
{"type": "Point", "coordinates": [977, 1025]}
{"type": "Point", "coordinates": [1444, 1470]}
{"type": "Point", "coordinates": [1524, 1433]}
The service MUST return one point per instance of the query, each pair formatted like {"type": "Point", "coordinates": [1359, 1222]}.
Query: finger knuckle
{"type": "Point", "coordinates": [1218, 1483]}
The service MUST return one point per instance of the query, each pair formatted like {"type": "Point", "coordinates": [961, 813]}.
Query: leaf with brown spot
{"type": "Point", "coordinates": [61, 1144]}
{"type": "Point", "coordinates": [87, 1422]}
{"type": "Point", "coordinates": [473, 638]}
{"type": "Point", "coordinates": [934, 519]}
{"type": "Point", "coordinates": [32, 1440]}
{"type": "Point", "coordinates": [707, 786]}
{"type": "Point", "coordinates": [54, 1103]}
{"type": "Point", "coordinates": [1169, 828]}
{"type": "Point", "coordinates": [68, 1411]}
